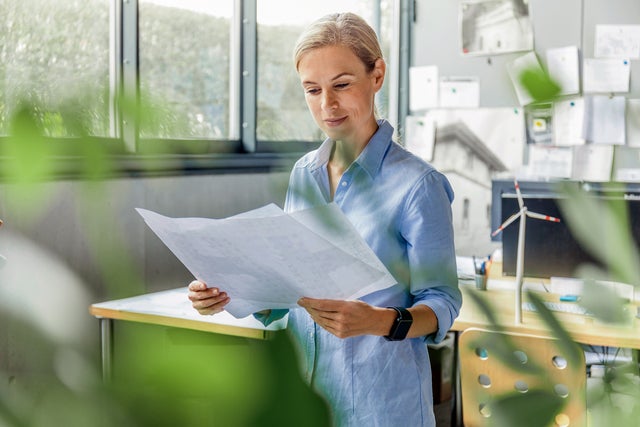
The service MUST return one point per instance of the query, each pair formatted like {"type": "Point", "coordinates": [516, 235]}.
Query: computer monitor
{"type": "Point", "coordinates": [551, 249]}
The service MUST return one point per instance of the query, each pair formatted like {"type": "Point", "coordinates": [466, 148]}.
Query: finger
{"type": "Point", "coordinates": [221, 299]}
{"type": "Point", "coordinates": [210, 311]}
{"type": "Point", "coordinates": [204, 294]}
{"type": "Point", "coordinates": [211, 305]}
{"type": "Point", "coordinates": [197, 285]}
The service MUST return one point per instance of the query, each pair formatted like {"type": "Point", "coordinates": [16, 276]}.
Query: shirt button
{"type": "Point", "coordinates": [344, 183]}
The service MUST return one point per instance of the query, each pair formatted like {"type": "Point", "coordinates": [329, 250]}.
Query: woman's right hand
{"type": "Point", "coordinates": [207, 300]}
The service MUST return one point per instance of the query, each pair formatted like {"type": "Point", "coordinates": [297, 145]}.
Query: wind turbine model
{"type": "Point", "coordinates": [523, 213]}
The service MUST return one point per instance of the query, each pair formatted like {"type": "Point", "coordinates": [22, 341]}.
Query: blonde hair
{"type": "Point", "coordinates": [340, 29]}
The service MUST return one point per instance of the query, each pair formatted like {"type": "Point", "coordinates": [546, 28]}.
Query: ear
{"type": "Point", "coordinates": [378, 72]}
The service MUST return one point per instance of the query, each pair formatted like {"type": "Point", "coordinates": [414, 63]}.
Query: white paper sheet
{"type": "Point", "coordinates": [568, 121]}
{"type": "Point", "coordinates": [515, 69]}
{"type": "Point", "coordinates": [423, 87]}
{"type": "Point", "coordinates": [592, 162]}
{"type": "Point", "coordinates": [549, 161]}
{"type": "Point", "coordinates": [563, 67]}
{"type": "Point", "coordinates": [617, 41]}
{"type": "Point", "coordinates": [270, 261]}
{"type": "Point", "coordinates": [606, 75]}
{"type": "Point", "coordinates": [419, 136]}
{"type": "Point", "coordinates": [604, 119]}
{"type": "Point", "coordinates": [459, 92]}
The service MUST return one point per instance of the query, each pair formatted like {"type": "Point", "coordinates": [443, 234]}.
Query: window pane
{"type": "Point", "coordinates": [54, 56]}
{"type": "Point", "coordinates": [184, 67]}
{"type": "Point", "coordinates": [282, 111]}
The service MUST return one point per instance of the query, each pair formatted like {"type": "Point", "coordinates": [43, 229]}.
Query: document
{"type": "Point", "coordinates": [568, 122]}
{"type": "Point", "coordinates": [515, 68]}
{"type": "Point", "coordinates": [592, 162]}
{"type": "Point", "coordinates": [564, 69]}
{"type": "Point", "coordinates": [419, 136]}
{"type": "Point", "coordinates": [605, 119]}
{"type": "Point", "coordinates": [268, 259]}
{"type": "Point", "coordinates": [459, 92]}
{"type": "Point", "coordinates": [550, 161]}
{"type": "Point", "coordinates": [606, 75]}
{"type": "Point", "coordinates": [423, 88]}
{"type": "Point", "coordinates": [617, 41]}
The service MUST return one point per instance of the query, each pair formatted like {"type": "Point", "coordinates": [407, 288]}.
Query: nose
{"type": "Point", "coordinates": [329, 100]}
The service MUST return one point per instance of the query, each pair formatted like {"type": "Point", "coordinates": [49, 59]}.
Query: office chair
{"type": "Point", "coordinates": [519, 379]}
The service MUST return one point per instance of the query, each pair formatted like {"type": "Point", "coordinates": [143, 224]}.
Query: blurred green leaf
{"type": "Point", "coordinates": [602, 228]}
{"type": "Point", "coordinates": [29, 154]}
{"type": "Point", "coordinates": [500, 345]}
{"type": "Point", "coordinates": [570, 349]}
{"type": "Point", "coordinates": [516, 409]}
{"type": "Point", "coordinates": [539, 85]}
{"type": "Point", "coordinates": [603, 302]}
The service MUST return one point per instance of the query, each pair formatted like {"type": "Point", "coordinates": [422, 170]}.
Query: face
{"type": "Point", "coordinates": [340, 92]}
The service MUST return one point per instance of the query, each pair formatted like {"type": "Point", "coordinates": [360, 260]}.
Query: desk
{"type": "Point", "coordinates": [583, 329]}
{"type": "Point", "coordinates": [173, 309]}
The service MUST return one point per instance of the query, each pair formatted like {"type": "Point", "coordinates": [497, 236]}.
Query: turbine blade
{"type": "Point", "coordinates": [520, 201]}
{"type": "Point", "coordinates": [544, 217]}
{"type": "Point", "coordinates": [506, 223]}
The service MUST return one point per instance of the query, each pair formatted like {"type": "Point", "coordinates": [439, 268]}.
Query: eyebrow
{"type": "Point", "coordinates": [306, 82]}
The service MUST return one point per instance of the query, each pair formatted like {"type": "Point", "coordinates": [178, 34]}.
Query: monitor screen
{"type": "Point", "coordinates": [550, 247]}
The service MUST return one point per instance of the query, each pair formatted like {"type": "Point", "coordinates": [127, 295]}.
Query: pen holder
{"type": "Point", "coordinates": [481, 282]}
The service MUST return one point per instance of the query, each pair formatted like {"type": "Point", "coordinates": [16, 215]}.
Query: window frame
{"type": "Point", "coordinates": [135, 156]}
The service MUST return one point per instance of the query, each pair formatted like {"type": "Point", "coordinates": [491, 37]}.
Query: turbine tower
{"type": "Point", "coordinates": [523, 213]}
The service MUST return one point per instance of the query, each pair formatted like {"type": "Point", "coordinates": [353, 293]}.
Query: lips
{"type": "Point", "coordinates": [335, 121]}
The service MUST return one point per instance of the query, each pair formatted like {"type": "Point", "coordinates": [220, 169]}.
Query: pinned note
{"type": "Point", "coordinates": [606, 75]}
{"type": "Point", "coordinates": [568, 119]}
{"type": "Point", "coordinates": [423, 87]}
{"type": "Point", "coordinates": [419, 136]}
{"type": "Point", "coordinates": [459, 92]}
{"type": "Point", "coordinates": [563, 67]}
{"type": "Point", "coordinates": [617, 41]}
{"type": "Point", "coordinates": [516, 68]}
{"type": "Point", "coordinates": [605, 122]}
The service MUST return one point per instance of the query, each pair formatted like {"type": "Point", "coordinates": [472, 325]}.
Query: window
{"type": "Point", "coordinates": [211, 77]}
{"type": "Point", "coordinates": [184, 53]}
{"type": "Point", "coordinates": [55, 55]}
{"type": "Point", "coordinates": [282, 114]}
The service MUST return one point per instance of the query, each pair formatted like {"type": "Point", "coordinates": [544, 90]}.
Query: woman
{"type": "Point", "coordinates": [355, 352]}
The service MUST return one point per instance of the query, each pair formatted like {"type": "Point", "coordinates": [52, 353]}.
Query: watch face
{"type": "Point", "coordinates": [401, 325]}
{"type": "Point", "coordinates": [403, 328]}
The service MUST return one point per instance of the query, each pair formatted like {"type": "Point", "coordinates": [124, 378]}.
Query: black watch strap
{"type": "Point", "coordinates": [401, 324]}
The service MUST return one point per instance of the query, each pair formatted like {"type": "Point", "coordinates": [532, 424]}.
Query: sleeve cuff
{"type": "Point", "coordinates": [267, 318]}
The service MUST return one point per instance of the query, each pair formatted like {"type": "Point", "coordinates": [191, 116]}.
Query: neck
{"type": "Point", "coordinates": [346, 151]}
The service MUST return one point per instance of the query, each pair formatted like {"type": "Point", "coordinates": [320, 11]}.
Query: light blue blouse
{"type": "Point", "coordinates": [401, 206]}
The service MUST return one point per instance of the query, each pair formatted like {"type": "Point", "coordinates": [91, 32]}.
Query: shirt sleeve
{"type": "Point", "coordinates": [272, 316]}
{"type": "Point", "coordinates": [428, 230]}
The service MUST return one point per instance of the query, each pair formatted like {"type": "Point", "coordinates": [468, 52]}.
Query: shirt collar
{"type": "Point", "coordinates": [371, 157]}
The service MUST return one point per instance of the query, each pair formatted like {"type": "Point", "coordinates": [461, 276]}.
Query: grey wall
{"type": "Point", "coordinates": [94, 230]}
{"type": "Point", "coordinates": [556, 23]}
{"type": "Point", "coordinates": [69, 244]}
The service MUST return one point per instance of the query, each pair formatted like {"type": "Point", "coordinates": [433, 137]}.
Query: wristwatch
{"type": "Point", "coordinates": [401, 325]}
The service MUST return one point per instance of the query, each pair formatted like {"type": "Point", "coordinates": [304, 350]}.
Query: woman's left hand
{"type": "Point", "coordinates": [348, 318]}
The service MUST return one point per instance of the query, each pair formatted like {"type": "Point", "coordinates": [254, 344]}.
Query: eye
{"type": "Point", "coordinates": [312, 91]}
{"type": "Point", "coordinates": [341, 85]}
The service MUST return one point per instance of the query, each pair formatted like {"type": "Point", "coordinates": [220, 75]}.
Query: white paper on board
{"type": "Point", "coordinates": [563, 66]}
{"type": "Point", "coordinates": [617, 41]}
{"type": "Point", "coordinates": [423, 87]}
{"type": "Point", "coordinates": [606, 75]}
